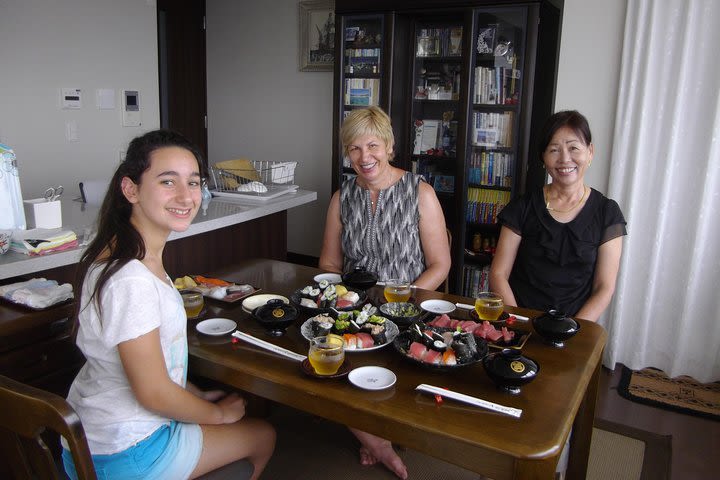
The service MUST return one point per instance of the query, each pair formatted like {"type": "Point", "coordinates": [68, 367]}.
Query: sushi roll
{"type": "Point", "coordinates": [438, 346]}
{"type": "Point", "coordinates": [321, 325]}
{"type": "Point", "coordinates": [353, 327]}
{"type": "Point", "coordinates": [427, 338]}
{"type": "Point", "coordinates": [342, 325]}
{"type": "Point", "coordinates": [464, 346]}
{"type": "Point", "coordinates": [378, 334]}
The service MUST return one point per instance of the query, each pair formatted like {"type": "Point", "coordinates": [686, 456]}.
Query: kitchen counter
{"type": "Point", "coordinates": [221, 212]}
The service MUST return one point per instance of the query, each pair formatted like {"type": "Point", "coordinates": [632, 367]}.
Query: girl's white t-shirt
{"type": "Point", "coordinates": [134, 302]}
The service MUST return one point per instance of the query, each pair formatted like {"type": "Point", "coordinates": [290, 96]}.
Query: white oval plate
{"type": "Point", "coordinates": [391, 331]}
{"type": "Point", "coordinates": [438, 306]}
{"type": "Point", "coordinates": [372, 378]}
{"type": "Point", "coordinates": [216, 326]}
{"type": "Point", "coordinates": [330, 277]}
{"type": "Point", "coordinates": [254, 301]}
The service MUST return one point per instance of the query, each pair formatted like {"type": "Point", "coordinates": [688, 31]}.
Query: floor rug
{"type": "Point", "coordinates": [311, 448]}
{"type": "Point", "coordinates": [681, 394]}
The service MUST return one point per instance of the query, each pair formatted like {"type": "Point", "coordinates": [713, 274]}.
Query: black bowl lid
{"type": "Point", "coordinates": [510, 364]}
{"type": "Point", "coordinates": [359, 277]}
{"type": "Point", "coordinates": [555, 322]}
{"type": "Point", "coordinates": [275, 311]}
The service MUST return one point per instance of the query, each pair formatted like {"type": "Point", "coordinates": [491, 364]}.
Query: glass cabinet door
{"type": "Point", "coordinates": [493, 134]}
{"type": "Point", "coordinates": [361, 69]}
{"type": "Point", "coordinates": [436, 113]}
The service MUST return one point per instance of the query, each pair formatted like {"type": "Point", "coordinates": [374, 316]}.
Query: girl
{"type": "Point", "coordinates": [141, 417]}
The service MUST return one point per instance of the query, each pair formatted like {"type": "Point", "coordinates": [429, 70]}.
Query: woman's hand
{"type": "Point", "coordinates": [232, 407]}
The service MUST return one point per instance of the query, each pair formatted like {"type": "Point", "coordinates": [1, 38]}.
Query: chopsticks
{"type": "Point", "coordinates": [519, 318]}
{"type": "Point", "coordinates": [268, 346]}
{"type": "Point", "coordinates": [478, 402]}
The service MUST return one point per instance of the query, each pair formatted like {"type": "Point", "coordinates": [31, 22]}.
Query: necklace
{"type": "Point", "coordinates": [575, 205]}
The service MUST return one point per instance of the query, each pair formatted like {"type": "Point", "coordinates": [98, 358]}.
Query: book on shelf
{"type": "Point", "coordinates": [484, 204]}
{"type": "Point", "coordinates": [492, 129]}
{"type": "Point", "coordinates": [362, 91]}
{"type": "Point", "coordinates": [444, 183]}
{"type": "Point", "coordinates": [476, 279]}
{"type": "Point", "coordinates": [491, 168]}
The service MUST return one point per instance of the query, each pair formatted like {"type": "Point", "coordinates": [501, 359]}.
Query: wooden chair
{"type": "Point", "coordinates": [25, 413]}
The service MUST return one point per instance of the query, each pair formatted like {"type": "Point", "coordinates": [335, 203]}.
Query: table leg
{"type": "Point", "coordinates": [535, 469]}
{"type": "Point", "coordinates": [582, 430]}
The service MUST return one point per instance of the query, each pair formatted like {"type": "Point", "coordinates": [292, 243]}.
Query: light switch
{"type": "Point", "coordinates": [71, 131]}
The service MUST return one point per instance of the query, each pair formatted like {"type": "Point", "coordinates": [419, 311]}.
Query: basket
{"type": "Point", "coordinates": [265, 179]}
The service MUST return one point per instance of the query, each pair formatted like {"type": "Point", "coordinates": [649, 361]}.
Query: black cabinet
{"type": "Point", "coordinates": [466, 85]}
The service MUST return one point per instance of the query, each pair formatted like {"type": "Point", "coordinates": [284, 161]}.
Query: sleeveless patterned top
{"type": "Point", "coordinates": [388, 242]}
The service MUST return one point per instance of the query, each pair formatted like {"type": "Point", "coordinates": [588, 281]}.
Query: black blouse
{"type": "Point", "coordinates": [555, 263]}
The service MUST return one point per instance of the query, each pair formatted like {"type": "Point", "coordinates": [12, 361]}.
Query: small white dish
{"type": "Point", "coordinates": [216, 326]}
{"type": "Point", "coordinates": [438, 306]}
{"type": "Point", "coordinates": [372, 378]}
{"type": "Point", "coordinates": [254, 301]}
{"type": "Point", "coordinates": [330, 277]}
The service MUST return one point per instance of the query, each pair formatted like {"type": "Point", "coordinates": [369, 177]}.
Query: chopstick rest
{"type": "Point", "coordinates": [268, 346]}
{"type": "Point", "coordinates": [478, 402]}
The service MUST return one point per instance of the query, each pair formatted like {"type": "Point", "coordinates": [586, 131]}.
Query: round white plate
{"type": "Point", "coordinates": [216, 326]}
{"type": "Point", "coordinates": [372, 378]}
{"type": "Point", "coordinates": [438, 306]}
{"type": "Point", "coordinates": [330, 277]}
{"type": "Point", "coordinates": [254, 301]}
{"type": "Point", "coordinates": [391, 331]}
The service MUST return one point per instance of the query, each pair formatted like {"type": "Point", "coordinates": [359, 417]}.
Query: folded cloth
{"type": "Point", "coordinates": [252, 187]}
{"type": "Point", "coordinates": [39, 240]}
{"type": "Point", "coordinates": [38, 292]}
{"type": "Point", "coordinates": [9, 288]}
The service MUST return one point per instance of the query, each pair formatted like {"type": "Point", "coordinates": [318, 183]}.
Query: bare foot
{"type": "Point", "coordinates": [375, 449]}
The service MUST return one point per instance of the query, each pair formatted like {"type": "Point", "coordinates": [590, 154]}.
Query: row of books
{"type": "Point", "coordinates": [362, 91]}
{"type": "Point", "coordinates": [491, 168]}
{"type": "Point", "coordinates": [476, 279]}
{"type": "Point", "coordinates": [484, 205]}
{"type": "Point", "coordinates": [362, 52]}
{"type": "Point", "coordinates": [445, 42]}
{"type": "Point", "coordinates": [492, 129]}
{"type": "Point", "coordinates": [496, 86]}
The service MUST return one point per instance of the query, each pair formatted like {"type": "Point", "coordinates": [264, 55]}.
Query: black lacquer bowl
{"type": "Point", "coordinates": [555, 327]}
{"type": "Point", "coordinates": [359, 278]}
{"type": "Point", "coordinates": [510, 370]}
{"type": "Point", "coordinates": [275, 316]}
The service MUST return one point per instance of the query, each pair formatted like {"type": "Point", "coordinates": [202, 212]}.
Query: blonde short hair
{"type": "Point", "coordinates": [368, 121]}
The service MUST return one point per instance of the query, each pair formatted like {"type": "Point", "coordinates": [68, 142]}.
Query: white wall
{"type": "Point", "coordinates": [589, 72]}
{"type": "Point", "coordinates": [261, 107]}
{"type": "Point", "coordinates": [87, 44]}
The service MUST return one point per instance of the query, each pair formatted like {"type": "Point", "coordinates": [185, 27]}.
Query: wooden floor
{"type": "Point", "coordinates": [695, 440]}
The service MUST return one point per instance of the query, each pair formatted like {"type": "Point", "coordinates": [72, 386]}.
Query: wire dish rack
{"type": "Point", "coordinates": [259, 179]}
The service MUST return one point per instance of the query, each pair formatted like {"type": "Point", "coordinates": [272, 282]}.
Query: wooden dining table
{"type": "Point", "coordinates": [561, 398]}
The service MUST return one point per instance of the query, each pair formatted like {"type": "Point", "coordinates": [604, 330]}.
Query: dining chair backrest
{"type": "Point", "coordinates": [25, 414]}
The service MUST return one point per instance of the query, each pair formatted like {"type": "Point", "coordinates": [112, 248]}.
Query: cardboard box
{"type": "Point", "coordinates": [40, 213]}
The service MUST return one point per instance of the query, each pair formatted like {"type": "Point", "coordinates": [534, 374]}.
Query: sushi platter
{"type": "Point", "coordinates": [362, 330]}
{"type": "Point", "coordinates": [497, 335]}
{"type": "Point", "coordinates": [324, 296]}
{"type": "Point", "coordinates": [439, 349]}
{"type": "Point", "coordinates": [215, 288]}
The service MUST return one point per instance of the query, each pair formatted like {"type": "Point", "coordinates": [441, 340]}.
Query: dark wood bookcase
{"type": "Point", "coordinates": [467, 84]}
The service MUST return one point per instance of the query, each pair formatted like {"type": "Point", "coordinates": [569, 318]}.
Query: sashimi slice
{"type": "Point", "coordinates": [448, 357]}
{"type": "Point", "coordinates": [441, 321]}
{"type": "Point", "coordinates": [432, 356]}
{"type": "Point", "coordinates": [508, 335]}
{"type": "Point", "coordinates": [494, 335]}
{"type": "Point", "coordinates": [365, 340]}
{"type": "Point", "coordinates": [417, 350]}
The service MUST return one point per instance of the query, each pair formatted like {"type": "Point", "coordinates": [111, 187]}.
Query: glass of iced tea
{"type": "Point", "coordinates": [327, 354]}
{"type": "Point", "coordinates": [489, 306]}
{"type": "Point", "coordinates": [193, 303]}
{"type": "Point", "coordinates": [397, 290]}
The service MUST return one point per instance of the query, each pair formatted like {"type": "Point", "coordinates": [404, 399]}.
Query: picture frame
{"type": "Point", "coordinates": [317, 35]}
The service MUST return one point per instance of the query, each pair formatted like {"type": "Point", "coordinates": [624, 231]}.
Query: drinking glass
{"type": "Point", "coordinates": [397, 290]}
{"type": "Point", "coordinates": [327, 354]}
{"type": "Point", "coordinates": [193, 303]}
{"type": "Point", "coordinates": [489, 306]}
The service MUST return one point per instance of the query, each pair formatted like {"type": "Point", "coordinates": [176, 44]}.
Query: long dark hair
{"type": "Point", "coordinates": [117, 241]}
